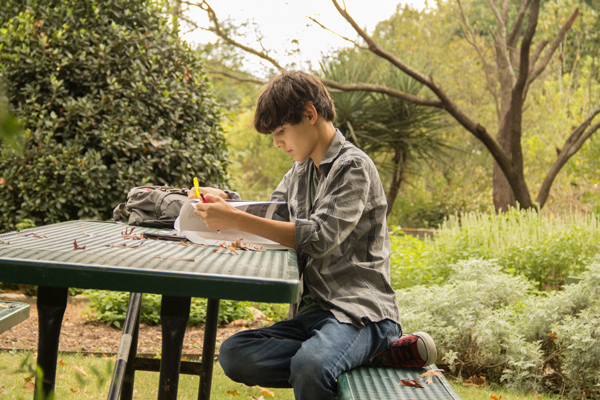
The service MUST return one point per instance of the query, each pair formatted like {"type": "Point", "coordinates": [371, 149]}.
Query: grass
{"type": "Point", "coordinates": [72, 384]}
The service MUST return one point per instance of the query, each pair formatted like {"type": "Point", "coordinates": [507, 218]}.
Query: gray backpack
{"type": "Point", "coordinates": [151, 206]}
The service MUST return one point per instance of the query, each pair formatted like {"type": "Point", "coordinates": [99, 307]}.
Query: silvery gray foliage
{"type": "Point", "coordinates": [487, 322]}
{"type": "Point", "coordinates": [472, 321]}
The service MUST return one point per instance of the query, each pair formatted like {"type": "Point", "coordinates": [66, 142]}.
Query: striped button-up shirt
{"type": "Point", "coordinates": [342, 239]}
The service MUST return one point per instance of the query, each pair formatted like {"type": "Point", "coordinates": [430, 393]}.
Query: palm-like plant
{"type": "Point", "coordinates": [399, 132]}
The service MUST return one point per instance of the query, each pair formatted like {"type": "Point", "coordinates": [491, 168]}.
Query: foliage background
{"type": "Point", "coordinates": [109, 98]}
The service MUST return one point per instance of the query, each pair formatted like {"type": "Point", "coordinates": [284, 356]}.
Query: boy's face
{"type": "Point", "coordinates": [299, 141]}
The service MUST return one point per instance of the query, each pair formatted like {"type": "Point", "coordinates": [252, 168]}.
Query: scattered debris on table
{"type": "Point", "coordinates": [2, 305]}
{"type": "Point", "coordinates": [4, 242]}
{"type": "Point", "coordinates": [233, 247]}
{"type": "Point", "coordinates": [76, 246]}
{"type": "Point", "coordinates": [123, 246]}
{"type": "Point", "coordinates": [129, 235]}
{"type": "Point", "coordinates": [430, 373]}
{"type": "Point", "coordinates": [177, 259]}
{"type": "Point", "coordinates": [35, 235]}
{"type": "Point", "coordinates": [88, 234]}
{"type": "Point", "coordinates": [411, 383]}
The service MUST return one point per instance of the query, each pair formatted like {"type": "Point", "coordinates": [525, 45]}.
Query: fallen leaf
{"type": "Point", "coordinates": [177, 259]}
{"type": "Point", "coordinates": [475, 381]}
{"type": "Point", "coordinates": [136, 394]}
{"type": "Point", "coordinates": [62, 362]}
{"type": "Point", "coordinates": [430, 373]}
{"type": "Point", "coordinates": [411, 383]}
{"type": "Point", "coordinates": [495, 397]}
{"type": "Point", "coordinates": [73, 390]}
{"type": "Point", "coordinates": [214, 251]}
{"type": "Point", "coordinates": [88, 234]}
{"type": "Point", "coordinates": [27, 379]}
{"type": "Point", "coordinates": [81, 226]}
{"type": "Point", "coordinates": [80, 370]}
{"type": "Point", "coordinates": [76, 247]}
{"type": "Point", "coordinates": [267, 392]}
{"type": "Point", "coordinates": [261, 398]}
{"type": "Point", "coordinates": [35, 235]}
{"type": "Point", "coordinates": [552, 336]}
{"type": "Point", "coordinates": [6, 306]}
{"type": "Point", "coordinates": [184, 358]}
{"type": "Point", "coordinates": [30, 386]}
{"type": "Point", "coordinates": [123, 246]}
{"type": "Point", "coordinates": [232, 392]}
{"type": "Point", "coordinates": [2, 181]}
{"type": "Point", "coordinates": [230, 247]}
{"type": "Point", "coordinates": [3, 242]}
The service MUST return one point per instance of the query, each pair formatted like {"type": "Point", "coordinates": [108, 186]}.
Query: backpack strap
{"type": "Point", "coordinates": [117, 213]}
{"type": "Point", "coordinates": [159, 202]}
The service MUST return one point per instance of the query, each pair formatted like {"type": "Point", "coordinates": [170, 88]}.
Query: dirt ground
{"type": "Point", "coordinates": [78, 334]}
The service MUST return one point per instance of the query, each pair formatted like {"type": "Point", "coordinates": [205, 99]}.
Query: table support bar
{"type": "Point", "coordinates": [174, 315]}
{"type": "Point", "coordinates": [208, 348]}
{"type": "Point", "coordinates": [51, 304]}
{"type": "Point", "coordinates": [124, 365]}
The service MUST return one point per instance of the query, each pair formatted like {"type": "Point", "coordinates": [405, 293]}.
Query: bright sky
{"type": "Point", "coordinates": [281, 21]}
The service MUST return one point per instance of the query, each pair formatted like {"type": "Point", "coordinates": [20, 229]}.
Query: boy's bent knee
{"type": "Point", "coordinates": [231, 360]}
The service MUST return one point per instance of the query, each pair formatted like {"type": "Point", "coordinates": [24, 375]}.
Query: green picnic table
{"type": "Point", "coordinates": [96, 255]}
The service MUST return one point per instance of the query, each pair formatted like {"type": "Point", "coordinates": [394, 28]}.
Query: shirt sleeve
{"type": "Point", "coordinates": [337, 212]}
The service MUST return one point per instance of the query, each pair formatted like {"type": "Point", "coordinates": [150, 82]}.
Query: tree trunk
{"type": "Point", "coordinates": [399, 161]}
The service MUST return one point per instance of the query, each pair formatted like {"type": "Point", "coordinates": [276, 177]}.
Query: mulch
{"type": "Point", "coordinates": [80, 335]}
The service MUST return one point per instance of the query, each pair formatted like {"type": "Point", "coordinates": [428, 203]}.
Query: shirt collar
{"type": "Point", "coordinates": [333, 152]}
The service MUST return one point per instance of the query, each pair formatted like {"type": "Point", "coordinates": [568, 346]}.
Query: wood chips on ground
{"type": "Point", "coordinates": [78, 334]}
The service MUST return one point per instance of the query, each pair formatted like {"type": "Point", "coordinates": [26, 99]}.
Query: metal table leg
{"type": "Point", "coordinates": [123, 375]}
{"type": "Point", "coordinates": [174, 314]}
{"type": "Point", "coordinates": [208, 348]}
{"type": "Point", "coordinates": [51, 303]}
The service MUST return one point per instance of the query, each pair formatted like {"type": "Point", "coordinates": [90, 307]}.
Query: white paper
{"type": "Point", "coordinates": [195, 230]}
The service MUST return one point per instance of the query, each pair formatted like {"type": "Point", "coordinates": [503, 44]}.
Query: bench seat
{"type": "Point", "coordinates": [13, 315]}
{"type": "Point", "coordinates": [368, 383]}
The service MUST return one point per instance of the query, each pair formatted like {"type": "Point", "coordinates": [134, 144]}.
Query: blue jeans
{"type": "Point", "coordinates": [306, 353]}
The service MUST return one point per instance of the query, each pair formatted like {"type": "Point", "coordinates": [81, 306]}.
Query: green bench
{"type": "Point", "coordinates": [368, 383]}
{"type": "Point", "coordinates": [12, 313]}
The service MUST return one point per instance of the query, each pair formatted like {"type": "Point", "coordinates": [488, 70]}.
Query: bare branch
{"type": "Point", "coordinates": [505, 4]}
{"type": "Point", "coordinates": [369, 87]}
{"type": "Point", "coordinates": [572, 145]}
{"type": "Point", "coordinates": [501, 42]}
{"type": "Point", "coordinates": [538, 69]}
{"type": "Point", "coordinates": [511, 42]}
{"type": "Point", "coordinates": [487, 68]}
{"type": "Point", "coordinates": [327, 29]}
{"type": "Point", "coordinates": [216, 29]}
{"type": "Point", "coordinates": [519, 88]}
{"type": "Point", "coordinates": [335, 33]}
{"type": "Point", "coordinates": [537, 51]}
{"type": "Point", "coordinates": [236, 77]}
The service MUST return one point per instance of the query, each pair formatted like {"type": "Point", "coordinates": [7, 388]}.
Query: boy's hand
{"type": "Point", "coordinates": [208, 191]}
{"type": "Point", "coordinates": [217, 213]}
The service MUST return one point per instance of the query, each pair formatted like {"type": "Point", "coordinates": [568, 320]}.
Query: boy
{"type": "Point", "coordinates": [336, 221]}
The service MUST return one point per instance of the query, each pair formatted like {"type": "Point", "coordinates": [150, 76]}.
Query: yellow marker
{"type": "Point", "coordinates": [197, 188]}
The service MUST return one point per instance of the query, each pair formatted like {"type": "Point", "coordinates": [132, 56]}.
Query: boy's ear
{"type": "Point", "coordinates": [310, 112]}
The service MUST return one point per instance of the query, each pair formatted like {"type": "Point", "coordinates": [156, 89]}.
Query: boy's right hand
{"type": "Point", "coordinates": [208, 191]}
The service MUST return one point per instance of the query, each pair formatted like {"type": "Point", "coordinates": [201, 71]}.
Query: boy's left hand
{"type": "Point", "coordinates": [216, 213]}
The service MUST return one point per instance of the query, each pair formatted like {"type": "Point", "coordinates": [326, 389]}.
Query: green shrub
{"type": "Point", "coordinates": [543, 248]}
{"type": "Point", "coordinates": [111, 308]}
{"type": "Point", "coordinates": [109, 98]}
{"type": "Point", "coordinates": [469, 318]}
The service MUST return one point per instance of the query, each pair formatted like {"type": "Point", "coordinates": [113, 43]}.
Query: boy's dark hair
{"type": "Point", "coordinates": [282, 101]}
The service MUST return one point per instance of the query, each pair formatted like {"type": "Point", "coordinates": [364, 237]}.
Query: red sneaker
{"type": "Point", "coordinates": [412, 351]}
